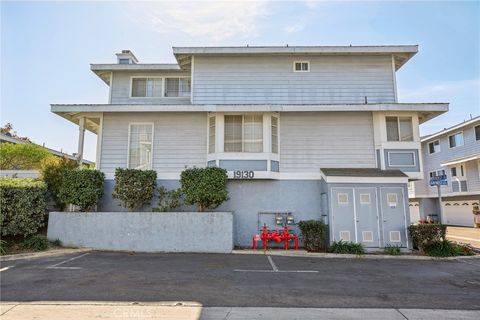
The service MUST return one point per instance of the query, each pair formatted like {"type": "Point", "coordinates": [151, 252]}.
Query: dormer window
{"type": "Point", "coordinates": [123, 61]}
{"type": "Point", "coordinates": [301, 66]}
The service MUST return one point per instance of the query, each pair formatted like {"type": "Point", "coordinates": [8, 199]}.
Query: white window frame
{"type": "Point", "coordinates": [401, 166]}
{"type": "Point", "coordinates": [475, 132]}
{"type": "Point", "coordinates": [307, 62]}
{"type": "Point", "coordinates": [146, 77]}
{"type": "Point", "coordinates": [208, 134]}
{"type": "Point", "coordinates": [365, 202]}
{"type": "Point", "coordinates": [439, 147]}
{"type": "Point", "coordinates": [128, 142]}
{"type": "Point", "coordinates": [454, 134]}
{"type": "Point", "coordinates": [164, 89]}
{"type": "Point", "coordinates": [278, 134]}
{"type": "Point", "coordinates": [243, 133]}
{"type": "Point", "coordinates": [398, 128]}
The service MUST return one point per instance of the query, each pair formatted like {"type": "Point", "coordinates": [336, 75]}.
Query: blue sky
{"type": "Point", "coordinates": [46, 48]}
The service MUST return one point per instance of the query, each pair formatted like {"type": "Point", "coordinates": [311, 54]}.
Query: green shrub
{"type": "Point", "coordinates": [314, 235]}
{"type": "Point", "coordinates": [205, 187]}
{"type": "Point", "coordinates": [21, 156]}
{"type": "Point", "coordinates": [446, 248]}
{"type": "Point", "coordinates": [22, 206]}
{"type": "Point", "coordinates": [82, 188]}
{"type": "Point", "coordinates": [56, 243]}
{"type": "Point", "coordinates": [52, 171]}
{"type": "Point", "coordinates": [3, 247]}
{"type": "Point", "coordinates": [424, 235]}
{"type": "Point", "coordinates": [36, 242]}
{"type": "Point", "coordinates": [346, 247]}
{"type": "Point", "coordinates": [392, 250]}
{"type": "Point", "coordinates": [134, 188]}
{"type": "Point", "coordinates": [168, 200]}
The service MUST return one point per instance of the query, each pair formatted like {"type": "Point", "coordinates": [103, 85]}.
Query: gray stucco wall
{"type": "Point", "coordinates": [144, 231]}
{"type": "Point", "coordinates": [247, 199]}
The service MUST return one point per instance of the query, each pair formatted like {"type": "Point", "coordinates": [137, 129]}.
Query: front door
{"type": "Point", "coordinates": [393, 209]}
{"type": "Point", "coordinates": [366, 210]}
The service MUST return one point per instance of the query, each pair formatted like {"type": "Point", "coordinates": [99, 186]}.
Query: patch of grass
{"type": "Point", "coordinates": [392, 250]}
{"type": "Point", "coordinates": [346, 248]}
{"type": "Point", "coordinates": [36, 242]}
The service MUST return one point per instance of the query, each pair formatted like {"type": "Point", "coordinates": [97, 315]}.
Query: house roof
{"type": "Point", "coordinates": [450, 129]}
{"type": "Point", "coordinates": [362, 172]}
{"type": "Point", "coordinates": [401, 53]}
{"type": "Point", "coordinates": [103, 70]}
{"type": "Point", "coordinates": [10, 139]}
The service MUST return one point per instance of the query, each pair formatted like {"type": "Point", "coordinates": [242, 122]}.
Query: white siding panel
{"type": "Point", "coordinates": [270, 79]}
{"type": "Point", "coordinates": [121, 84]}
{"type": "Point", "coordinates": [310, 141]}
{"type": "Point", "coordinates": [180, 139]}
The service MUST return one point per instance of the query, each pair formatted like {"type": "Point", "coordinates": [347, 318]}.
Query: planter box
{"type": "Point", "coordinates": [144, 231]}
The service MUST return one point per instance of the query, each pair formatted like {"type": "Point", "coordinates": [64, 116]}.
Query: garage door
{"type": "Point", "coordinates": [458, 213]}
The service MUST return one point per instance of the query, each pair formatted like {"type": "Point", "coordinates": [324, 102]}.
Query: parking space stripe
{"type": "Point", "coordinates": [6, 268]}
{"type": "Point", "coordinates": [56, 266]}
{"type": "Point", "coordinates": [274, 267]}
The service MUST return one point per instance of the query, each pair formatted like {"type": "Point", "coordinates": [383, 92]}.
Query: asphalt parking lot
{"type": "Point", "coordinates": [241, 280]}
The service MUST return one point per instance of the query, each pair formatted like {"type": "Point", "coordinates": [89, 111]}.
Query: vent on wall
{"type": "Point", "coordinates": [345, 236]}
{"type": "Point", "coordinates": [367, 236]}
{"type": "Point", "coordinates": [395, 236]}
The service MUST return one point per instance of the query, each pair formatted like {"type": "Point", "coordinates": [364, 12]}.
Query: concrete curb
{"type": "Point", "coordinates": [42, 254]}
{"type": "Point", "coordinates": [347, 256]}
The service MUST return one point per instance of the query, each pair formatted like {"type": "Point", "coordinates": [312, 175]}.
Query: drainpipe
{"type": "Point", "coordinates": [81, 136]}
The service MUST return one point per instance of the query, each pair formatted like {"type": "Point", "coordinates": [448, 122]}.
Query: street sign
{"type": "Point", "coordinates": [439, 180]}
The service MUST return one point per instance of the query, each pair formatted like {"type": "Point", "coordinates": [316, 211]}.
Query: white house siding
{"type": "Point", "coordinates": [270, 79]}
{"type": "Point", "coordinates": [310, 141]}
{"type": "Point", "coordinates": [121, 86]}
{"type": "Point", "coordinates": [180, 139]}
{"type": "Point", "coordinates": [432, 162]}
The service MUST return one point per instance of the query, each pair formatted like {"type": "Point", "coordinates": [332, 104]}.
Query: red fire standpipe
{"type": "Point", "coordinates": [277, 236]}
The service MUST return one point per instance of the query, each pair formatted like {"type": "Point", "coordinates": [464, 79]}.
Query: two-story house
{"type": "Point", "coordinates": [315, 131]}
{"type": "Point", "coordinates": [455, 153]}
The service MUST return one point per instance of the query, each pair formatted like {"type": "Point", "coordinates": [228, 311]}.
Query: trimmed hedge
{"type": "Point", "coordinates": [314, 235]}
{"type": "Point", "coordinates": [424, 235]}
{"type": "Point", "coordinates": [22, 206]}
{"type": "Point", "coordinates": [205, 187]}
{"type": "Point", "coordinates": [82, 188]}
{"type": "Point", "coordinates": [134, 188]}
{"type": "Point", "coordinates": [52, 170]}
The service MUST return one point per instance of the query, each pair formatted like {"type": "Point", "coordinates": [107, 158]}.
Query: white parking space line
{"type": "Point", "coordinates": [56, 266]}
{"type": "Point", "coordinates": [275, 269]}
{"type": "Point", "coordinates": [6, 268]}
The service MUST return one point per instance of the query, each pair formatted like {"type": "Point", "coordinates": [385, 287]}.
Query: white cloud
{"type": "Point", "coordinates": [217, 20]}
{"type": "Point", "coordinates": [294, 28]}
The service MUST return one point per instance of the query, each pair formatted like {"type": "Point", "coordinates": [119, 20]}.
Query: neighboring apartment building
{"type": "Point", "coordinates": [454, 152]}
{"type": "Point", "coordinates": [316, 131]}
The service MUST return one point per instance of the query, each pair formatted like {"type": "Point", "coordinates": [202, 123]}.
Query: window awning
{"type": "Point", "coordinates": [460, 160]}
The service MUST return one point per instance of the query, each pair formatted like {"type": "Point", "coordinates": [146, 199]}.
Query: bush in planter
{"type": "Point", "coordinates": [83, 188]}
{"type": "Point", "coordinates": [446, 248]}
{"type": "Point", "coordinates": [22, 206]}
{"type": "Point", "coordinates": [168, 200]}
{"type": "Point", "coordinates": [314, 235]}
{"type": "Point", "coordinates": [52, 170]}
{"type": "Point", "coordinates": [134, 188]}
{"type": "Point", "coordinates": [424, 235]}
{"type": "Point", "coordinates": [347, 247]}
{"type": "Point", "coordinates": [205, 187]}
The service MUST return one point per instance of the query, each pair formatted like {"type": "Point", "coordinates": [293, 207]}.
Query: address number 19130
{"type": "Point", "coordinates": [243, 174]}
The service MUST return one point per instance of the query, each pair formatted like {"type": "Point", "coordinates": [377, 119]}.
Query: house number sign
{"type": "Point", "coordinates": [243, 174]}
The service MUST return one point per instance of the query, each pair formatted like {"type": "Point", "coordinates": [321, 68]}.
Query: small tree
{"type": "Point", "coordinates": [134, 188]}
{"type": "Point", "coordinates": [314, 234]}
{"type": "Point", "coordinates": [205, 187]}
{"type": "Point", "coordinates": [52, 170]}
{"type": "Point", "coordinates": [22, 156]}
{"type": "Point", "coordinates": [168, 200]}
{"type": "Point", "coordinates": [82, 188]}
